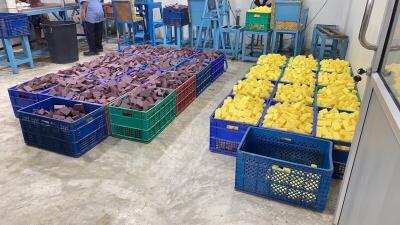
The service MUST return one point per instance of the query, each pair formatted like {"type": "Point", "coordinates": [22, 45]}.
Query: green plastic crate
{"type": "Point", "coordinates": [139, 119]}
{"type": "Point", "coordinates": [258, 21]}
{"type": "Point", "coordinates": [144, 136]}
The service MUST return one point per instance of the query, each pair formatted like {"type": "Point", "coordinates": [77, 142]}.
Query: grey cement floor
{"type": "Point", "coordinates": [173, 180]}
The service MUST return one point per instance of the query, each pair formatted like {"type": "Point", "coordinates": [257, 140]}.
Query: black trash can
{"type": "Point", "coordinates": [62, 41]}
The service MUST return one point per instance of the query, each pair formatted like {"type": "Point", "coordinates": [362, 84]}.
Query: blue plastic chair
{"type": "Point", "coordinates": [289, 11]}
{"type": "Point", "coordinates": [129, 23]}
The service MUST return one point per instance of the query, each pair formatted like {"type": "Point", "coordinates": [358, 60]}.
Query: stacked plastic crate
{"type": "Point", "coordinates": [138, 125]}
{"type": "Point", "coordinates": [299, 104]}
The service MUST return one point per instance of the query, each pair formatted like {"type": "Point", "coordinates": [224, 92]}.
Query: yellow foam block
{"type": "Point", "coordinates": [339, 98]}
{"type": "Point", "coordinates": [254, 88]}
{"type": "Point", "coordinates": [303, 62]}
{"type": "Point", "coordinates": [299, 75]}
{"type": "Point", "coordinates": [272, 60]}
{"type": "Point", "coordinates": [295, 93]}
{"type": "Point", "coordinates": [335, 65]}
{"type": "Point", "coordinates": [295, 117]}
{"type": "Point", "coordinates": [264, 72]}
{"type": "Point", "coordinates": [244, 109]}
{"type": "Point", "coordinates": [336, 125]}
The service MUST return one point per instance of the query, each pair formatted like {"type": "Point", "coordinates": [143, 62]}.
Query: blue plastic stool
{"type": "Point", "coordinates": [290, 12]}
{"type": "Point", "coordinates": [266, 36]}
{"type": "Point", "coordinates": [14, 60]}
{"type": "Point", "coordinates": [232, 47]}
{"type": "Point", "coordinates": [332, 42]}
{"type": "Point", "coordinates": [157, 24]}
{"type": "Point", "coordinates": [176, 40]}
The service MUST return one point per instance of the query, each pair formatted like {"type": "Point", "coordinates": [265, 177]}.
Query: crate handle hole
{"type": "Point", "coordinates": [127, 114]}
{"type": "Point", "coordinates": [288, 140]}
{"type": "Point", "coordinates": [281, 169]}
{"type": "Point", "coordinates": [46, 122]}
{"type": "Point", "coordinates": [230, 127]}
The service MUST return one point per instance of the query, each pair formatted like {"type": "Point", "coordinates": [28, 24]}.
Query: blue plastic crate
{"type": "Point", "coordinates": [74, 149]}
{"type": "Point", "coordinates": [283, 166]}
{"type": "Point", "coordinates": [14, 25]}
{"type": "Point", "coordinates": [216, 72]}
{"type": "Point", "coordinates": [225, 136]}
{"type": "Point", "coordinates": [70, 132]}
{"type": "Point", "coordinates": [340, 158]}
{"type": "Point", "coordinates": [20, 99]}
{"type": "Point", "coordinates": [203, 80]}
{"type": "Point", "coordinates": [176, 17]}
{"type": "Point", "coordinates": [217, 67]}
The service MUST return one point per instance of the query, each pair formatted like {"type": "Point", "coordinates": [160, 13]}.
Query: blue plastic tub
{"type": "Point", "coordinates": [40, 130]}
{"type": "Point", "coordinates": [283, 166]}
{"type": "Point", "coordinates": [14, 25]}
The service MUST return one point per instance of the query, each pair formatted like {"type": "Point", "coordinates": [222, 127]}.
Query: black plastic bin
{"type": "Point", "coordinates": [62, 41]}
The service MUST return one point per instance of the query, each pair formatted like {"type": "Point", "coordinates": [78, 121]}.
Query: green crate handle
{"type": "Point", "coordinates": [127, 114]}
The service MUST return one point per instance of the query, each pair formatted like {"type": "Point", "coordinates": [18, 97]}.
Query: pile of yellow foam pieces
{"type": "Point", "coordinates": [261, 9]}
{"type": "Point", "coordinates": [299, 75]}
{"type": "Point", "coordinates": [335, 65]}
{"type": "Point", "coordinates": [294, 117]}
{"type": "Point", "coordinates": [240, 108]}
{"type": "Point", "coordinates": [338, 98]}
{"type": "Point", "coordinates": [303, 62]}
{"type": "Point", "coordinates": [336, 125]}
{"type": "Point", "coordinates": [342, 80]}
{"type": "Point", "coordinates": [295, 93]}
{"type": "Point", "coordinates": [264, 72]}
{"type": "Point", "coordinates": [272, 60]}
{"type": "Point", "coordinates": [254, 88]}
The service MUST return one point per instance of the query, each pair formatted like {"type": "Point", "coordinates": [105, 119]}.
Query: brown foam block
{"type": "Point", "coordinates": [62, 112]}
{"type": "Point", "coordinates": [142, 98]}
{"type": "Point", "coordinates": [104, 94]}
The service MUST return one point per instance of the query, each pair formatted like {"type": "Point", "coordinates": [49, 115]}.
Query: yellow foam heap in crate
{"type": "Point", "coordinates": [342, 80]}
{"type": "Point", "coordinates": [261, 9]}
{"type": "Point", "coordinates": [335, 65]}
{"type": "Point", "coordinates": [276, 60]}
{"type": "Point", "coordinates": [336, 125]}
{"type": "Point", "coordinates": [303, 62]}
{"type": "Point", "coordinates": [394, 80]}
{"type": "Point", "coordinates": [299, 75]}
{"type": "Point", "coordinates": [254, 88]}
{"type": "Point", "coordinates": [240, 108]}
{"type": "Point", "coordinates": [294, 117]}
{"type": "Point", "coordinates": [338, 98]}
{"type": "Point", "coordinates": [264, 72]}
{"type": "Point", "coordinates": [295, 93]}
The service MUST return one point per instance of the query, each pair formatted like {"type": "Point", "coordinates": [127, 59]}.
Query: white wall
{"type": "Point", "coordinates": [359, 56]}
{"type": "Point", "coordinates": [11, 4]}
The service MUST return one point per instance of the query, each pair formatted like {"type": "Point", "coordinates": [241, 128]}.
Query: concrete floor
{"type": "Point", "coordinates": [172, 180]}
